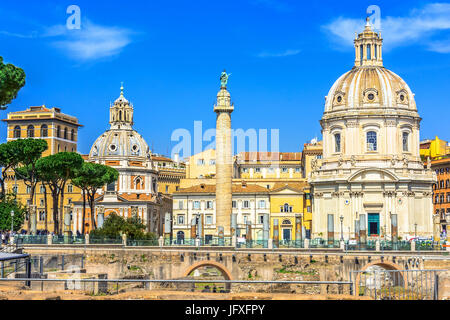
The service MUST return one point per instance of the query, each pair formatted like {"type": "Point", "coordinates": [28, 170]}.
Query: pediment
{"type": "Point", "coordinates": [373, 175]}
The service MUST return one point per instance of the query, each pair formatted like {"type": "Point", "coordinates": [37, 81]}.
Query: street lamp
{"type": "Point", "coordinates": [342, 230]}
{"type": "Point", "coordinates": [12, 220]}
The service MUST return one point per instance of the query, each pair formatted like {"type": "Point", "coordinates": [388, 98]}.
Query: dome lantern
{"type": "Point", "coordinates": [121, 113]}
{"type": "Point", "coordinates": [368, 46]}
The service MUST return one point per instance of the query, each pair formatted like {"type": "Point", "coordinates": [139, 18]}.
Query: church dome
{"type": "Point", "coordinates": [118, 144]}
{"type": "Point", "coordinates": [121, 141]}
{"type": "Point", "coordinates": [368, 85]}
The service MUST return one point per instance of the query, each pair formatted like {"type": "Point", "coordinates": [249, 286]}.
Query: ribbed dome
{"type": "Point", "coordinates": [116, 144]}
{"type": "Point", "coordinates": [372, 87]}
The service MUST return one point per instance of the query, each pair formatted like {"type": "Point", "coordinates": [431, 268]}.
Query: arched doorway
{"type": "Point", "coordinates": [209, 270]}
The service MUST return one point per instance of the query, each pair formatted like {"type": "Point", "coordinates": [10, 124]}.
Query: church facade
{"type": "Point", "coordinates": [371, 181]}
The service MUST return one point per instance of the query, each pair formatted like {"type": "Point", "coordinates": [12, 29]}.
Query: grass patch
{"type": "Point", "coordinates": [305, 273]}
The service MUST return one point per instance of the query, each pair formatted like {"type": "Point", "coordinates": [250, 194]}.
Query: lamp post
{"type": "Point", "coordinates": [447, 219]}
{"type": "Point", "coordinates": [342, 230]}
{"type": "Point", "coordinates": [12, 220]}
{"type": "Point", "coordinates": [415, 230]}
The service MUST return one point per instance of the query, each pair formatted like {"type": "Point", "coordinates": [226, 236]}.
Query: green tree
{"type": "Point", "coordinates": [29, 152]}
{"type": "Point", "coordinates": [12, 79]}
{"type": "Point", "coordinates": [9, 159]}
{"type": "Point", "coordinates": [89, 178]}
{"type": "Point", "coordinates": [9, 204]}
{"type": "Point", "coordinates": [55, 170]}
{"type": "Point", "coordinates": [115, 225]}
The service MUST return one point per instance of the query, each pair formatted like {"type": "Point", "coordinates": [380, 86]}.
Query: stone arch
{"type": "Point", "coordinates": [207, 263]}
{"type": "Point", "coordinates": [384, 264]}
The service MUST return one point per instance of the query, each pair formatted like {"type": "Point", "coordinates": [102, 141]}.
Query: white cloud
{"type": "Point", "coordinates": [419, 27]}
{"type": "Point", "coordinates": [281, 54]}
{"type": "Point", "coordinates": [91, 42]}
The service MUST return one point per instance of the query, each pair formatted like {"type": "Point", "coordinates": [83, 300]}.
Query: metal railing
{"type": "Point", "coordinates": [396, 284]}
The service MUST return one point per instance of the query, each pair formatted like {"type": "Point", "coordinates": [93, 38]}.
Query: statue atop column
{"type": "Point", "coordinates": [224, 79]}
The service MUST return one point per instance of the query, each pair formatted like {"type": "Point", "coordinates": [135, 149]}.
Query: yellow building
{"type": "Point", "coordinates": [61, 133]}
{"type": "Point", "coordinates": [290, 212]}
{"type": "Point", "coordinates": [170, 173]}
{"type": "Point", "coordinates": [434, 149]}
{"type": "Point", "coordinates": [311, 155]}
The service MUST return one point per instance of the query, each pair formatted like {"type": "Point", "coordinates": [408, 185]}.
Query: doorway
{"type": "Point", "coordinates": [373, 220]}
{"type": "Point", "coordinates": [287, 234]}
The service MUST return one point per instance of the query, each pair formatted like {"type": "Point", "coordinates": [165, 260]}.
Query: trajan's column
{"type": "Point", "coordinates": [224, 167]}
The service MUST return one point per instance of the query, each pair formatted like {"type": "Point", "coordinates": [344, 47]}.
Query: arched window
{"type": "Point", "coordinates": [286, 222]}
{"type": "Point", "coordinates": [44, 130]}
{"type": "Point", "coordinates": [361, 50]}
{"type": "Point", "coordinates": [436, 199]}
{"type": "Point", "coordinates": [65, 133]}
{"type": "Point", "coordinates": [405, 137]}
{"type": "Point", "coordinates": [120, 115]}
{"type": "Point", "coordinates": [17, 132]}
{"type": "Point", "coordinates": [72, 135]}
{"type": "Point", "coordinates": [337, 142]}
{"type": "Point", "coordinates": [371, 141]}
{"type": "Point", "coordinates": [448, 197]}
{"type": "Point", "coordinates": [30, 131]}
{"type": "Point", "coordinates": [442, 184]}
{"type": "Point", "coordinates": [447, 183]}
{"type": "Point", "coordinates": [442, 198]}
{"type": "Point", "coordinates": [369, 56]}
{"type": "Point", "coordinates": [58, 131]}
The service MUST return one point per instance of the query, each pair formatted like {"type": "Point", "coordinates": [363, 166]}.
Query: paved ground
{"type": "Point", "coordinates": [10, 291]}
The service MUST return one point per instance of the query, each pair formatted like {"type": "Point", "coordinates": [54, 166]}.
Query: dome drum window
{"type": "Point", "coordinates": [339, 98]}
{"type": "Point", "coordinates": [402, 97]}
{"type": "Point", "coordinates": [370, 95]}
{"type": "Point", "coordinates": [112, 147]}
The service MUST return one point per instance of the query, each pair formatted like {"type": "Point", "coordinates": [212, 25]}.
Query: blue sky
{"type": "Point", "coordinates": [283, 55]}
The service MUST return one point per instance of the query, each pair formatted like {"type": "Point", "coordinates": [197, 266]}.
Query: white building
{"type": "Point", "coordinates": [371, 173]}
{"type": "Point", "coordinates": [250, 204]}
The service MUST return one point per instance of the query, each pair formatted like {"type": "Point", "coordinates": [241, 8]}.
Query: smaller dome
{"type": "Point", "coordinates": [117, 144]}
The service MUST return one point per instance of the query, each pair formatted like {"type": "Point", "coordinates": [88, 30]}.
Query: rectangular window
{"type": "Point", "coordinates": [209, 204]}
{"type": "Point", "coordinates": [246, 204]}
{"type": "Point", "coordinates": [285, 170]}
{"type": "Point", "coordinates": [271, 170]}
{"type": "Point", "coordinates": [41, 202]}
{"type": "Point", "coordinates": [261, 219]}
{"type": "Point", "coordinates": [245, 219]}
{"type": "Point", "coordinates": [209, 220]}
{"type": "Point", "coordinates": [262, 204]}
{"type": "Point", "coordinates": [69, 188]}
{"type": "Point", "coordinates": [180, 220]}
{"type": "Point", "coordinates": [196, 205]}
{"type": "Point", "coordinates": [180, 204]}
{"type": "Point", "coordinates": [405, 136]}
{"type": "Point", "coordinates": [297, 169]}
{"type": "Point", "coordinates": [212, 162]}
{"type": "Point", "coordinates": [233, 204]}
{"type": "Point", "coordinates": [42, 215]}
{"type": "Point", "coordinates": [257, 170]}
{"type": "Point", "coordinates": [200, 162]}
